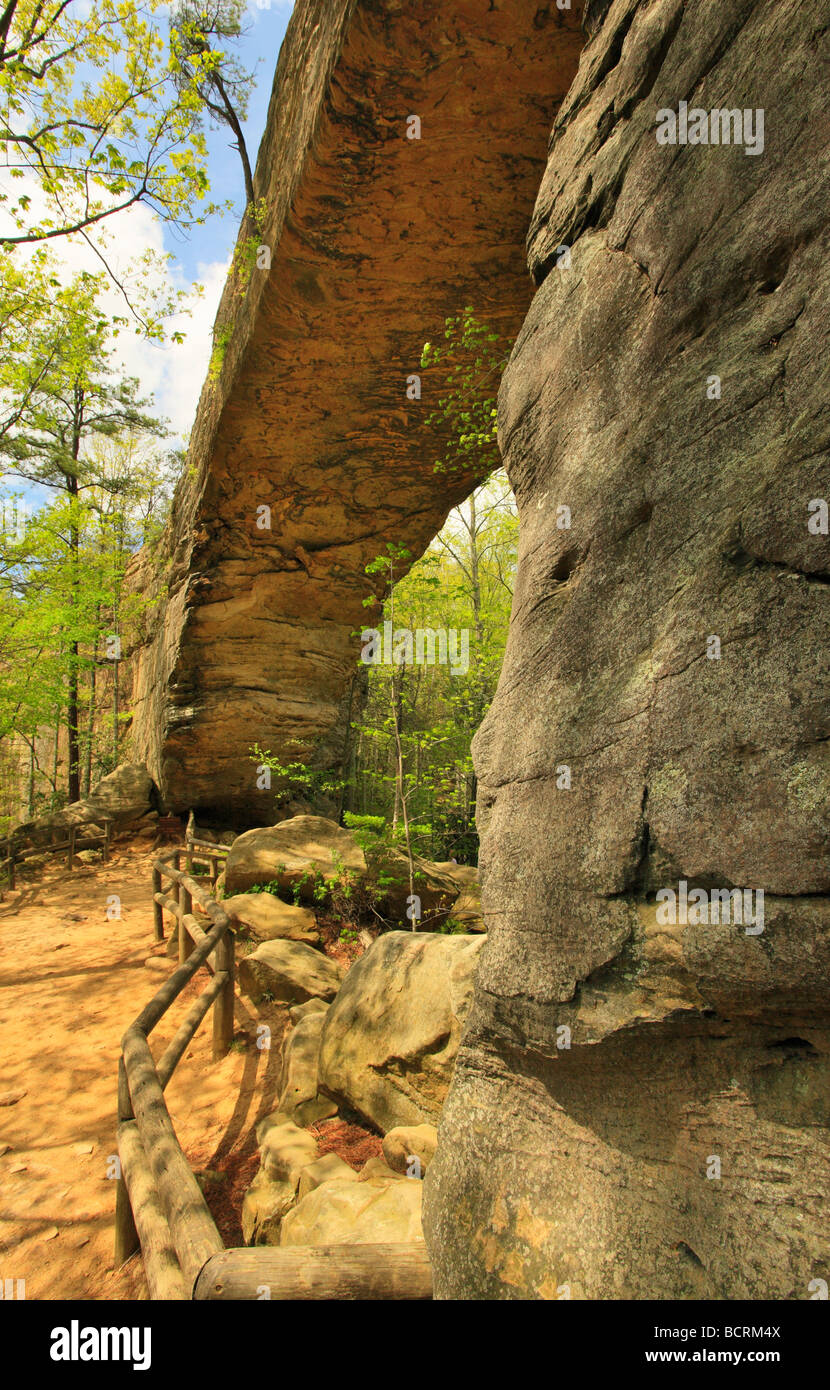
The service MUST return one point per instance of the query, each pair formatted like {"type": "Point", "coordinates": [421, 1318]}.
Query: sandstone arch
{"type": "Point", "coordinates": [374, 239]}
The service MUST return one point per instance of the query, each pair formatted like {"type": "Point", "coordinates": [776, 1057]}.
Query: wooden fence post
{"type": "Point", "coordinates": [70, 853]}
{"type": "Point", "coordinates": [185, 909]}
{"type": "Point", "coordinates": [106, 841]}
{"type": "Point", "coordinates": [223, 1008]}
{"type": "Point", "coordinates": [158, 910]}
{"type": "Point", "coordinates": [126, 1235]}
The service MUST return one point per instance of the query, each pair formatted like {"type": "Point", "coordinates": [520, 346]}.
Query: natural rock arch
{"type": "Point", "coordinates": [374, 238]}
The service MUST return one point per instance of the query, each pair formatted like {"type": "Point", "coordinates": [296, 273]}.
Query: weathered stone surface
{"type": "Point", "coordinates": [374, 239]}
{"type": "Point", "coordinates": [406, 1142]}
{"type": "Point", "coordinates": [329, 1168]}
{"type": "Point", "coordinates": [285, 1152]}
{"type": "Point", "coordinates": [291, 853]}
{"type": "Point", "coordinates": [586, 1164]}
{"type": "Point", "coordinates": [390, 1039]}
{"type": "Point", "coordinates": [264, 1205]}
{"type": "Point", "coordinates": [354, 1213]}
{"type": "Point", "coordinates": [269, 919]}
{"type": "Point", "coordinates": [285, 1149]}
{"type": "Point", "coordinates": [467, 909]}
{"type": "Point", "coordinates": [290, 972]}
{"type": "Point", "coordinates": [298, 1083]}
{"type": "Point", "coordinates": [311, 1006]}
{"type": "Point", "coordinates": [125, 795]}
{"type": "Point", "coordinates": [378, 1170]}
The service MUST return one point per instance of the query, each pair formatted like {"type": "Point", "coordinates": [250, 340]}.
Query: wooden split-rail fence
{"type": "Point", "coordinates": [160, 1208]}
{"type": "Point", "coordinates": [78, 837]}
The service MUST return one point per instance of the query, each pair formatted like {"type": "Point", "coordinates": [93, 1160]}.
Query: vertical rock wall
{"type": "Point", "coordinates": [639, 1109]}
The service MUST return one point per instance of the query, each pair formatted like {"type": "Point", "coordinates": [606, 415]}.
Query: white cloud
{"type": "Point", "coordinates": [172, 373]}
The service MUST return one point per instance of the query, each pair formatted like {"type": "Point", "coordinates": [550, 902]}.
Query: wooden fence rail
{"type": "Point", "coordinates": [159, 1205]}
{"type": "Point", "coordinates": [78, 838]}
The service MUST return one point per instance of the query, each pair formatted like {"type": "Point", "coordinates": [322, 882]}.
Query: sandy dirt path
{"type": "Point", "coordinates": [70, 983]}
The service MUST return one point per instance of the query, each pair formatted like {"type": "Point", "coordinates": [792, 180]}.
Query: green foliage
{"type": "Point", "coordinates": [451, 927]}
{"type": "Point", "coordinates": [221, 338]}
{"type": "Point", "coordinates": [69, 426]}
{"type": "Point", "coordinates": [464, 582]}
{"type": "Point", "coordinates": [97, 112]}
{"type": "Point", "coordinates": [468, 364]}
{"type": "Point", "coordinates": [296, 778]}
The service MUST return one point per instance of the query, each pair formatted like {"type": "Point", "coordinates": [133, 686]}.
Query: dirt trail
{"type": "Point", "coordinates": [70, 983]}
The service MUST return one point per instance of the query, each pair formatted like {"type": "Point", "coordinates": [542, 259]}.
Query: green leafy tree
{"type": "Point", "coordinates": [467, 366]}
{"type": "Point", "coordinates": [77, 399]}
{"type": "Point", "coordinates": [92, 118]}
{"type": "Point", "coordinates": [200, 35]}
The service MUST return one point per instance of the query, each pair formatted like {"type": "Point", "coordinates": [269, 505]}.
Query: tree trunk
{"type": "Point", "coordinates": [90, 724]}
{"type": "Point", "coordinates": [31, 795]}
{"type": "Point", "coordinates": [72, 704]}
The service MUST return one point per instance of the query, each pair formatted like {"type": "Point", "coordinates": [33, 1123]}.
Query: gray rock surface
{"type": "Point", "coordinates": [390, 1038]}
{"type": "Point", "coordinates": [610, 1054]}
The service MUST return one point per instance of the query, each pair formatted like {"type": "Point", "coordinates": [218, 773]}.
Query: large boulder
{"type": "Point", "coordinates": [637, 1110]}
{"type": "Point", "coordinates": [390, 1039]}
{"type": "Point", "coordinates": [299, 1081]}
{"type": "Point", "coordinates": [343, 1212]}
{"type": "Point", "coordinates": [268, 918]}
{"type": "Point", "coordinates": [288, 972]}
{"type": "Point", "coordinates": [125, 796]}
{"type": "Point", "coordinates": [292, 854]}
{"type": "Point", "coordinates": [285, 1151]}
{"type": "Point", "coordinates": [410, 1148]}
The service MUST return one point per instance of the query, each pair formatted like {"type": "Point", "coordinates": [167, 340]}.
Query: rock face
{"type": "Point", "coordinates": [299, 1082]}
{"type": "Point", "coordinates": [125, 796]}
{"type": "Point", "coordinates": [285, 1152]}
{"type": "Point", "coordinates": [289, 972]}
{"type": "Point", "coordinates": [375, 238]}
{"type": "Point", "coordinates": [269, 919]}
{"type": "Point", "coordinates": [291, 853]}
{"type": "Point", "coordinates": [636, 1109]}
{"type": "Point", "coordinates": [344, 1212]}
{"type": "Point", "coordinates": [390, 1039]}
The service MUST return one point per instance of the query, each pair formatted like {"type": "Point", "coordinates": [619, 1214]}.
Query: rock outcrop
{"type": "Point", "coordinates": [267, 918]}
{"type": "Point", "coordinates": [390, 1038]}
{"type": "Point", "coordinates": [299, 1096]}
{"type": "Point", "coordinates": [289, 972]}
{"type": "Point", "coordinates": [126, 796]}
{"type": "Point", "coordinates": [307, 456]}
{"type": "Point", "coordinates": [377, 1211]}
{"type": "Point", "coordinates": [292, 854]}
{"type": "Point", "coordinates": [636, 1110]}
